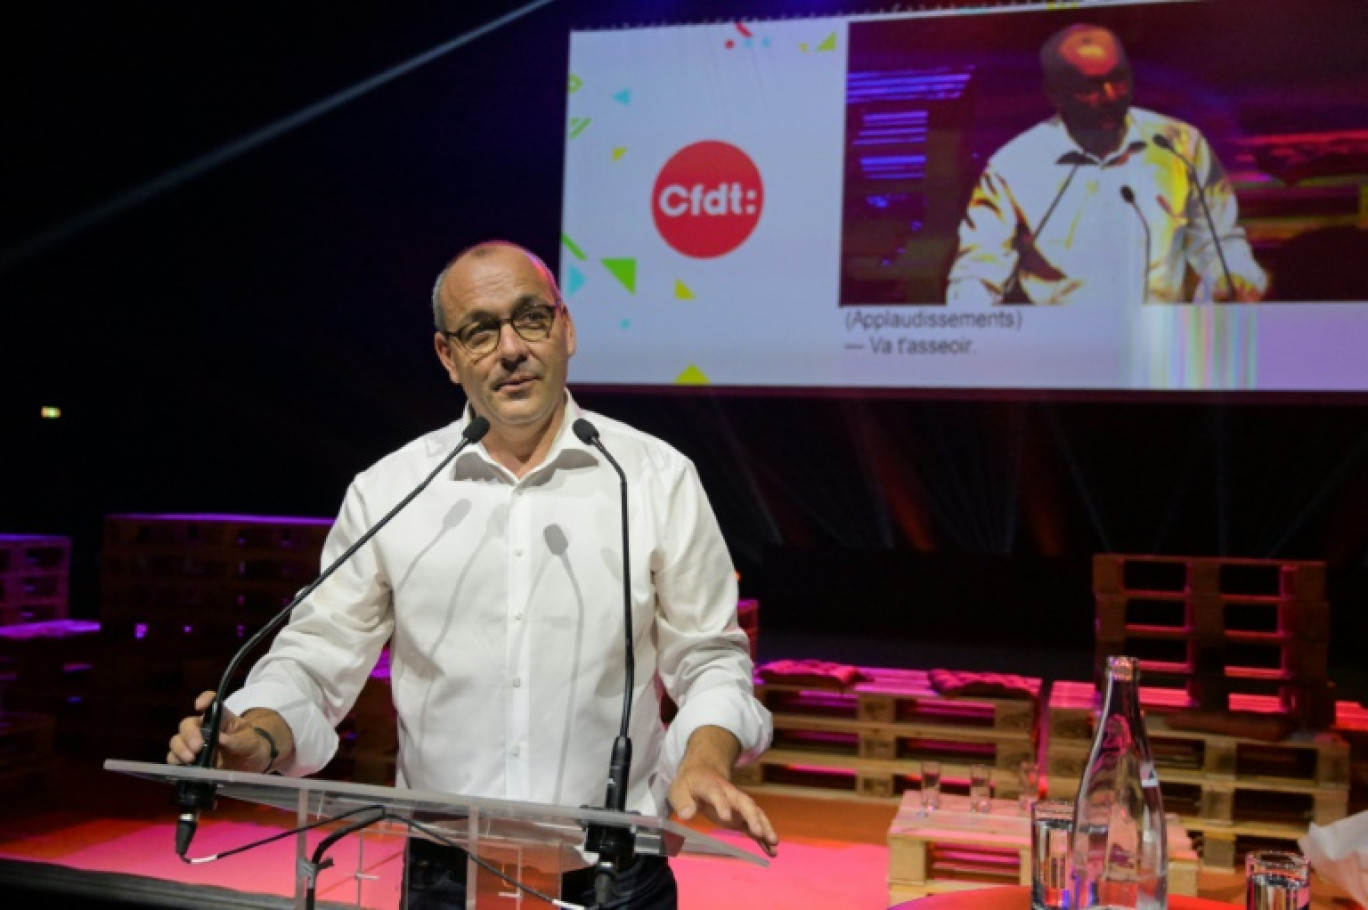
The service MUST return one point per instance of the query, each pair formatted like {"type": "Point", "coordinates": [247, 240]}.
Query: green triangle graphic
{"type": "Point", "coordinates": [829, 44]}
{"type": "Point", "coordinates": [691, 376]}
{"type": "Point", "coordinates": [624, 270]}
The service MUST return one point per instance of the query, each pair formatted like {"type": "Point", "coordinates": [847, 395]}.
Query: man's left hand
{"type": "Point", "coordinates": [703, 784]}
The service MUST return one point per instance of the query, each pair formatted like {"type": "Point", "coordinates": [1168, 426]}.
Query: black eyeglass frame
{"type": "Point", "coordinates": [511, 322]}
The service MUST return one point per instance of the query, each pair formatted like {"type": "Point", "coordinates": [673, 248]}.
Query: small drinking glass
{"type": "Point", "coordinates": [1028, 775]}
{"type": "Point", "coordinates": [1051, 831]}
{"type": "Point", "coordinates": [980, 788]}
{"type": "Point", "coordinates": [1277, 881]}
{"type": "Point", "coordinates": [930, 785]}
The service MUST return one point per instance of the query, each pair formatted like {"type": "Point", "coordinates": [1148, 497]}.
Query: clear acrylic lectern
{"type": "Point", "coordinates": [531, 842]}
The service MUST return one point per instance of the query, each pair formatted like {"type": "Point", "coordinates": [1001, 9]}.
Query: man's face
{"type": "Point", "coordinates": [1091, 86]}
{"type": "Point", "coordinates": [519, 385]}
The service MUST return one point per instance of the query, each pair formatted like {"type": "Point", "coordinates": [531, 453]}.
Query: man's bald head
{"type": "Point", "coordinates": [1087, 50]}
{"type": "Point", "coordinates": [1088, 77]}
{"type": "Point", "coordinates": [480, 251]}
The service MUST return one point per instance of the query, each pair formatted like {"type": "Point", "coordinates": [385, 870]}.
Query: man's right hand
{"type": "Point", "coordinates": [240, 747]}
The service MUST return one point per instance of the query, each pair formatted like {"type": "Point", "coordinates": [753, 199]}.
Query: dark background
{"type": "Point", "coordinates": [248, 339]}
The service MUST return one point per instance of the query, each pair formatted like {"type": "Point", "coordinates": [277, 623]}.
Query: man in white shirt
{"type": "Point", "coordinates": [499, 589]}
{"type": "Point", "coordinates": [1090, 206]}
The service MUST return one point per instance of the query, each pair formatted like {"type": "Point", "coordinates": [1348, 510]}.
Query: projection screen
{"type": "Point", "coordinates": [898, 201]}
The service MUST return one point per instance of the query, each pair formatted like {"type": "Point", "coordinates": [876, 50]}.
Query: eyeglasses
{"type": "Point", "coordinates": [481, 336]}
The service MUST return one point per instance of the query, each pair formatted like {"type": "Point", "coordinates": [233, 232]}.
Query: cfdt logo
{"type": "Point", "coordinates": [707, 199]}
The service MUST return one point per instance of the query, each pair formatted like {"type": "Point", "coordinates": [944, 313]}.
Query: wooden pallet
{"type": "Point", "coordinates": [953, 849]}
{"type": "Point", "coordinates": [216, 532]}
{"type": "Point", "coordinates": [869, 739]}
{"type": "Point", "coordinates": [1219, 627]}
{"type": "Point", "coordinates": [20, 553]}
{"type": "Point", "coordinates": [899, 696]}
{"type": "Point", "coordinates": [1223, 848]}
{"type": "Point", "coordinates": [27, 747]}
{"type": "Point", "coordinates": [1317, 760]}
{"type": "Point", "coordinates": [1225, 787]}
{"type": "Point", "coordinates": [910, 743]}
{"type": "Point", "coordinates": [811, 773]}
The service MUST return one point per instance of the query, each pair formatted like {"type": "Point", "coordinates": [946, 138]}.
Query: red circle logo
{"type": "Point", "coordinates": [707, 199]}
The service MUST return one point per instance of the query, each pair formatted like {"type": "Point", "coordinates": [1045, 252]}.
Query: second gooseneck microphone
{"type": "Point", "coordinates": [1129, 195]}
{"type": "Point", "coordinates": [615, 846]}
{"type": "Point", "coordinates": [1164, 143]}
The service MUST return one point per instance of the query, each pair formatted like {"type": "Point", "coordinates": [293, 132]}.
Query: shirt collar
{"type": "Point", "coordinates": [566, 449]}
{"type": "Point", "coordinates": [1069, 152]}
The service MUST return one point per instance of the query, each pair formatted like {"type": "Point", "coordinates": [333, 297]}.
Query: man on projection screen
{"type": "Point", "coordinates": [1102, 202]}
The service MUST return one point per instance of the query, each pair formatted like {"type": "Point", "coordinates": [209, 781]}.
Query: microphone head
{"type": "Point", "coordinates": [1128, 194]}
{"type": "Point", "coordinates": [586, 431]}
{"type": "Point", "coordinates": [1163, 142]}
{"type": "Point", "coordinates": [475, 430]}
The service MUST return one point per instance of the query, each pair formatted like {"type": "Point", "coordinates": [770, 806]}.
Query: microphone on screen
{"type": "Point", "coordinates": [1129, 196]}
{"type": "Point", "coordinates": [1164, 143]}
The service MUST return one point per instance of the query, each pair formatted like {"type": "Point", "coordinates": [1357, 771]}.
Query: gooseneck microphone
{"type": "Point", "coordinates": [1013, 283]}
{"type": "Point", "coordinates": [615, 846]}
{"type": "Point", "coordinates": [1129, 195]}
{"type": "Point", "coordinates": [194, 796]}
{"type": "Point", "coordinates": [1163, 142]}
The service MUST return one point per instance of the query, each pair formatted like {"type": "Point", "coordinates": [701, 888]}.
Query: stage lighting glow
{"type": "Point", "coordinates": [48, 412]}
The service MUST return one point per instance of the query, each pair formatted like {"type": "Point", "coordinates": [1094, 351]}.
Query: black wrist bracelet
{"type": "Point", "coordinates": [270, 741]}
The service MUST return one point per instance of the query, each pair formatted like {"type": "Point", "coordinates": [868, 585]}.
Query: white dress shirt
{"type": "Point", "coordinates": [504, 597]}
{"type": "Point", "coordinates": [1091, 244]}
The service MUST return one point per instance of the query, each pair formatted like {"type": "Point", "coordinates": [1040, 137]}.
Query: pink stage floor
{"type": "Point", "coordinates": [111, 824]}
{"type": "Point", "coordinates": [99, 830]}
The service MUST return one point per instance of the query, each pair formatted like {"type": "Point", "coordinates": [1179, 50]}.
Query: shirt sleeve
{"type": "Point", "coordinates": [1202, 252]}
{"type": "Point", "coordinates": [318, 663]}
{"type": "Point", "coordinates": [986, 257]}
{"type": "Point", "coordinates": [704, 659]}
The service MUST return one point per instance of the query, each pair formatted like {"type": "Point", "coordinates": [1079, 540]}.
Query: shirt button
{"type": "Point", "coordinates": [517, 682]}
{"type": "Point", "coordinates": [517, 551]}
{"type": "Point", "coordinates": [518, 616]}
{"type": "Point", "coordinates": [517, 750]}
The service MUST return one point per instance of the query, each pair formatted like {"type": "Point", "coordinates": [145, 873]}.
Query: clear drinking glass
{"type": "Point", "coordinates": [1051, 830]}
{"type": "Point", "coordinates": [930, 785]}
{"type": "Point", "coordinates": [980, 788]}
{"type": "Point", "coordinates": [1277, 881]}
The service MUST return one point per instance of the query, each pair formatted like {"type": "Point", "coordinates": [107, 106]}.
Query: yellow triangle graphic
{"type": "Point", "coordinates": [692, 376]}
{"type": "Point", "coordinates": [802, 46]}
{"type": "Point", "coordinates": [682, 291]}
{"type": "Point", "coordinates": [618, 153]}
{"type": "Point", "coordinates": [829, 44]}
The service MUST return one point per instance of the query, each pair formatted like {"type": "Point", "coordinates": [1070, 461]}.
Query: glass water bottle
{"type": "Point", "coordinates": [1120, 848]}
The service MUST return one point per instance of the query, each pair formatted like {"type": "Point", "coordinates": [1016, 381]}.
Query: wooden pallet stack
{"type": "Point", "coordinates": [35, 572]}
{"type": "Point", "coordinates": [869, 739]}
{"type": "Point", "coordinates": [179, 594]}
{"type": "Point", "coordinates": [1232, 793]}
{"type": "Point", "coordinates": [27, 751]}
{"type": "Point", "coordinates": [1224, 644]}
{"type": "Point", "coordinates": [50, 668]}
{"type": "Point", "coordinates": [1218, 627]}
{"type": "Point", "coordinates": [953, 849]}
